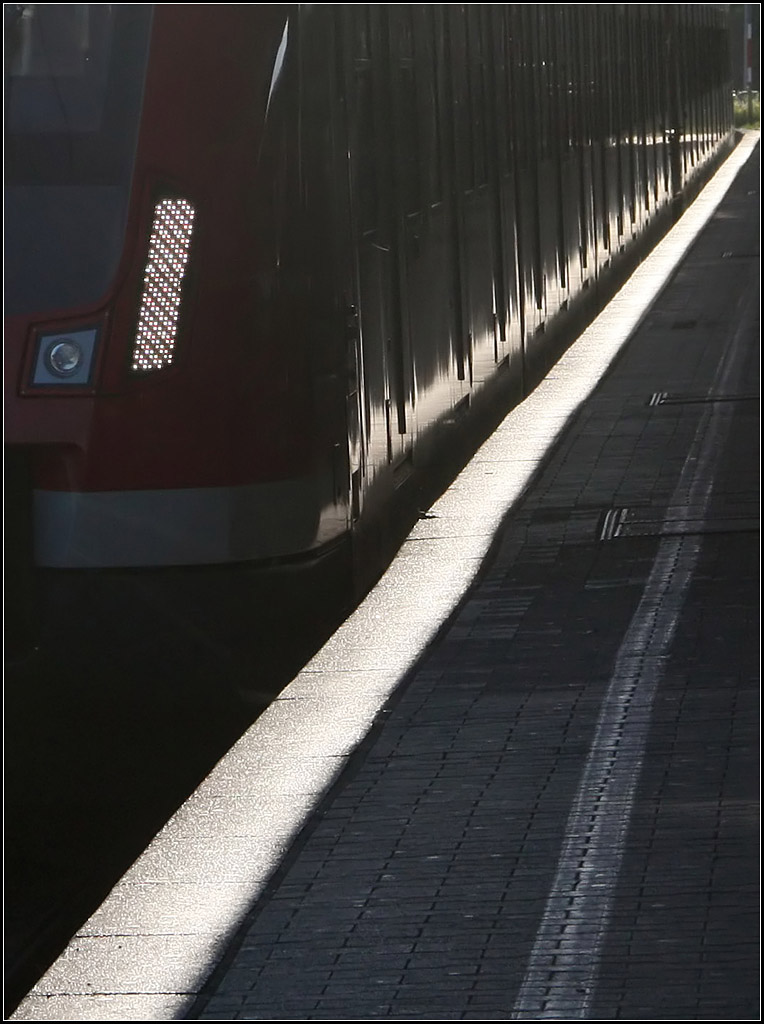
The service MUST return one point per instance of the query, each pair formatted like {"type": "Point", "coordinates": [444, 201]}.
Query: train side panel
{"type": "Point", "coordinates": [391, 218]}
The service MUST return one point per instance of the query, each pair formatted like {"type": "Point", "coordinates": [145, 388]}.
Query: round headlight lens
{"type": "Point", "coordinates": [64, 357]}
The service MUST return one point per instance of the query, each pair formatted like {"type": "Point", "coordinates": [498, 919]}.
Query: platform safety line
{"type": "Point", "coordinates": [564, 964]}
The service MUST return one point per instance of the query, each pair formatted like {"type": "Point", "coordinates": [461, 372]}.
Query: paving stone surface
{"type": "Point", "coordinates": [557, 814]}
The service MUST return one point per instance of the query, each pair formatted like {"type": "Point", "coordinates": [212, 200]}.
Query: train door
{"type": "Point", "coordinates": [570, 242]}
{"type": "Point", "coordinates": [503, 160]}
{"type": "Point", "coordinates": [475, 208]}
{"type": "Point", "coordinates": [602, 146]}
{"type": "Point", "coordinates": [323, 242]}
{"type": "Point", "coordinates": [586, 142]}
{"type": "Point", "coordinates": [375, 313]}
{"type": "Point", "coordinates": [423, 228]}
{"type": "Point", "coordinates": [609, 89]}
{"type": "Point", "coordinates": [548, 163]}
{"type": "Point", "coordinates": [523, 65]}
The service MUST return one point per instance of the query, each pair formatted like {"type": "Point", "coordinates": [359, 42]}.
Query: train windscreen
{"type": "Point", "coordinates": [74, 76]}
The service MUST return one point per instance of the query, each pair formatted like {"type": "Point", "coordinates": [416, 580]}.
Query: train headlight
{"type": "Point", "coordinates": [65, 358]}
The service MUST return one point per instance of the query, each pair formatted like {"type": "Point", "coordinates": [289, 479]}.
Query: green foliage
{"type": "Point", "coordinates": [747, 110]}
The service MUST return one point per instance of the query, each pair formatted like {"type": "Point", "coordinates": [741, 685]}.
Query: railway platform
{"type": "Point", "coordinates": [521, 781]}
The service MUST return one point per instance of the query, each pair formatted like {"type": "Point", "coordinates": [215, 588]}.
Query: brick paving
{"type": "Point", "coordinates": [420, 888]}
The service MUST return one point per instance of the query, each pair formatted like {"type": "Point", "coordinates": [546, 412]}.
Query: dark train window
{"type": "Point", "coordinates": [477, 92]}
{"type": "Point", "coordinates": [458, 60]}
{"type": "Point", "coordinates": [506, 98]}
{"type": "Point", "coordinates": [432, 37]}
{"type": "Point", "coordinates": [407, 107]}
{"type": "Point", "coordinates": [521, 84]}
{"type": "Point", "coordinates": [539, 86]}
{"type": "Point", "coordinates": [366, 137]}
{"type": "Point", "coordinates": [554, 91]}
{"type": "Point", "coordinates": [362, 34]}
{"type": "Point", "coordinates": [366, 164]}
{"type": "Point", "coordinates": [565, 40]}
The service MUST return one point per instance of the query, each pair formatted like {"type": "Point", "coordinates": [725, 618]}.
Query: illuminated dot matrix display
{"type": "Point", "coordinates": [162, 281]}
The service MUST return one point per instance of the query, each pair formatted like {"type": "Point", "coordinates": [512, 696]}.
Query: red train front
{"type": "Point", "coordinates": [267, 262]}
{"type": "Point", "coordinates": [157, 397]}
